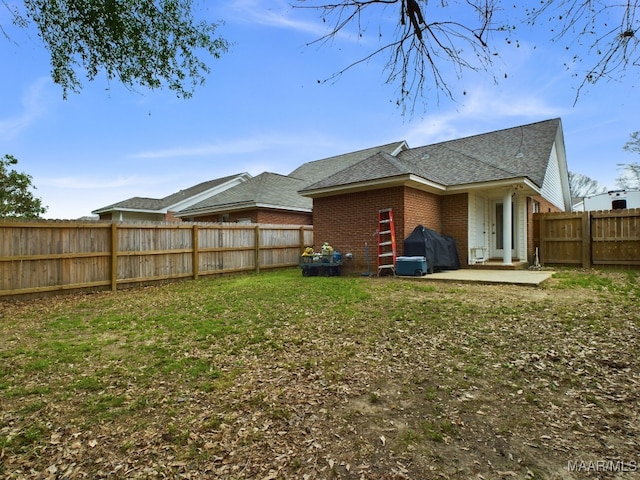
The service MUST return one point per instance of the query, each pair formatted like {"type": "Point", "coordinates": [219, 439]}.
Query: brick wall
{"type": "Point", "coordinates": [349, 221]}
{"type": "Point", "coordinates": [170, 217]}
{"type": "Point", "coordinates": [455, 222]}
{"type": "Point", "coordinates": [421, 208]}
{"type": "Point", "coordinates": [278, 217]}
{"type": "Point", "coordinates": [282, 217]}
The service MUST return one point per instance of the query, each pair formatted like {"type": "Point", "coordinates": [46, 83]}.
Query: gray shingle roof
{"type": "Point", "coordinates": [159, 204]}
{"type": "Point", "coordinates": [517, 152]}
{"type": "Point", "coordinates": [317, 170]}
{"type": "Point", "coordinates": [281, 191]}
{"type": "Point", "coordinates": [266, 189]}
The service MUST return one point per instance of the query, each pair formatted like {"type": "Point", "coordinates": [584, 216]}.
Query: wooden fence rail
{"type": "Point", "coordinates": [597, 238]}
{"type": "Point", "coordinates": [37, 257]}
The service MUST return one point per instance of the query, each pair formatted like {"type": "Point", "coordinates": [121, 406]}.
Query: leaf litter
{"type": "Point", "coordinates": [402, 380]}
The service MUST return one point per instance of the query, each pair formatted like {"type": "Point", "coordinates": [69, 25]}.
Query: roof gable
{"type": "Point", "coordinates": [177, 200]}
{"type": "Point", "coordinates": [268, 190]}
{"type": "Point", "coordinates": [518, 152]}
{"type": "Point", "coordinates": [317, 170]}
{"type": "Point", "coordinates": [271, 190]}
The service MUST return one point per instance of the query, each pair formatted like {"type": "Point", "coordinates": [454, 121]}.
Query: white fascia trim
{"type": "Point", "coordinates": [423, 184]}
{"type": "Point", "coordinates": [188, 202]}
{"type": "Point", "coordinates": [216, 209]}
{"type": "Point", "coordinates": [387, 182]}
{"type": "Point", "coordinates": [403, 146]}
{"type": "Point", "coordinates": [284, 207]}
{"type": "Point", "coordinates": [135, 210]}
{"type": "Point", "coordinates": [420, 182]}
{"type": "Point", "coordinates": [508, 182]}
{"type": "Point", "coordinates": [237, 207]}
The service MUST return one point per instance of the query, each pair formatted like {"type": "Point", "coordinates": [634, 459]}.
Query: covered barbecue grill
{"type": "Point", "coordinates": [439, 250]}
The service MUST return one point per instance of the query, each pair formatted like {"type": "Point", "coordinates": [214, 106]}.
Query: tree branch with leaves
{"type": "Point", "coordinates": [16, 198]}
{"type": "Point", "coordinates": [143, 43]}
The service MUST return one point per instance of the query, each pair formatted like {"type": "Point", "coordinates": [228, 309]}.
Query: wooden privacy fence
{"type": "Point", "coordinates": [598, 238]}
{"type": "Point", "coordinates": [40, 257]}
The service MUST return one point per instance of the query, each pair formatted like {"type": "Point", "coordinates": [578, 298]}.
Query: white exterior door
{"type": "Point", "coordinates": [497, 229]}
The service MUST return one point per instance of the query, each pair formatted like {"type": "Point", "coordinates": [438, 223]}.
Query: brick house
{"type": "Point", "coordinates": [265, 198]}
{"type": "Point", "coordinates": [461, 188]}
{"type": "Point", "coordinates": [274, 198]}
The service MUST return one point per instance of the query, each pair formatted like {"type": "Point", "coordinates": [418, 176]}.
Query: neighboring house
{"type": "Point", "coordinates": [164, 209]}
{"type": "Point", "coordinates": [274, 198]}
{"type": "Point", "coordinates": [481, 190]}
{"type": "Point", "coordinates": [265, 198]}
{"type": "Point", "coordinates": [612, 200]}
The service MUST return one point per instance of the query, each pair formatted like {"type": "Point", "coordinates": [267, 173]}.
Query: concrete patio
{"type": "Point", "coordinates": [467, 275]}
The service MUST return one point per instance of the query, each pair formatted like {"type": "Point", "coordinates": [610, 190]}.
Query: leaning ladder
{"type": "Point", "coordinates": [386, 243]}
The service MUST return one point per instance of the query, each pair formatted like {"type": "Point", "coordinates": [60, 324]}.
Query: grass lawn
{"type": "Point", "coordinates": [276, 375]}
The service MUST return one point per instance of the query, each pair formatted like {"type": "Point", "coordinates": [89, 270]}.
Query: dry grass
{"type": "Point", "coordinates": [280, 376]}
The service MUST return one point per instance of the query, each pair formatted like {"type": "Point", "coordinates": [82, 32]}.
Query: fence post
{"type": "Point", "coordinates": [302, 245]}
{"type": "Point", "coordinates": [257, 251]}
{"type": "Point", "coordinates": [541, 239]}
{"type": "Point", "coordinates": [195, 261]}
{"type": "Point", "coordinates": [114, 256]}
{"type": "Point", "coordinates": [586, 239]}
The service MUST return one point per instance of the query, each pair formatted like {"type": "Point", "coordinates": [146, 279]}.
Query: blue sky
{"type": "Point", "coordinates": [262, 109]}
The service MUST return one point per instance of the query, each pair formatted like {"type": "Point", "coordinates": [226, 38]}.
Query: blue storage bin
{"type": "Point", "coordinates": [411, 266]}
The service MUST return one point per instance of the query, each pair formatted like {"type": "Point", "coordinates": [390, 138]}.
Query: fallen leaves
{"type": "Point", "coordinates": [447, 382]}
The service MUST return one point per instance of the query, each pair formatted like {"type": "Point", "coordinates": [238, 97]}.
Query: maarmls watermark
{"type": "Point", "coordinates": [603, 466]}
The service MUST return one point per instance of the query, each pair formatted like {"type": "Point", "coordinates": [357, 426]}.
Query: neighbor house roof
{"type": "Point", "coordinates": [178, 200]}
{"type": "Point", "coordinates": [271, 190]}
{"type": "Point", "coordinates": [513, 153]}
{"type": "Point", "coordinates": [267, 190]}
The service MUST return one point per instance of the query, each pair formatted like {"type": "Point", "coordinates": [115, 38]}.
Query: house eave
{"type": "Point", "coordinates": [283, 207]}
{"type": "Point", "coordinates": [239, 207]}
{"type": "Point", "coordinates": [194, 199]}
{"type": "Point", "coordinates": [518, 183]}
{"type": "Point", "coordinates": [376, 184]}
{"type": "Point", "coordinates": [420, 183]}
{"type": "Point", "coordinates": [132, 210]}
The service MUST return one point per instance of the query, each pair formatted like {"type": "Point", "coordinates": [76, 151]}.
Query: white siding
{"type": "Point", "coordinates": [552, 186]}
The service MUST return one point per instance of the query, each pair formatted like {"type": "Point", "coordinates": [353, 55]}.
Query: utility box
{"type": "Point", "coordinates": [411, 266]}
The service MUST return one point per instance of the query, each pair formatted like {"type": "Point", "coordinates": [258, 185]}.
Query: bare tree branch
{"type": "Point", "coordinates": [436, 42]}
{"type": "Point", "coordinates": [422, 45]}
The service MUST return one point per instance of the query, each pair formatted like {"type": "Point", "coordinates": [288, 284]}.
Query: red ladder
{"type": "Point", "coordinates": [386, 242]}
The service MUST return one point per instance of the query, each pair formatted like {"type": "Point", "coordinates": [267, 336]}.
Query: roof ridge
{"type": "Point", "coordinates": [493, 132]}
{"type": "Point", "coordinates": [355, 152]}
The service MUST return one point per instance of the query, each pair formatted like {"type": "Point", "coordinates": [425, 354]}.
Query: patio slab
{"type": "Point", "coordinates": [512, 277]}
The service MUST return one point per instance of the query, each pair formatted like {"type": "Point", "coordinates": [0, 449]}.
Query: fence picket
{"type": "Point", "coordinates": [50, 256]}
{"type": "Point", "coordinates": [609, 237]}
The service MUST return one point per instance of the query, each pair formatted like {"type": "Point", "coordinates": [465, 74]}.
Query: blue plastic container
{"type": "Point", "coordinates": [411, 266]}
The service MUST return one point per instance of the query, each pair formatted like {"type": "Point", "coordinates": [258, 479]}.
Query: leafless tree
{"type": "Point", "coordinates": [432, 40]}
{"type": "Point", "coordinates": [630, 177]}
{"type": "Point", "coordinates": [581, 186]}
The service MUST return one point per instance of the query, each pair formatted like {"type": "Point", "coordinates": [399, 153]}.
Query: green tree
{"type": "Point", "coordinates": [431, 44]}
{"type": "Point", "coordinates": [150, 43]}
{"type": "Point", "coordinates": [16, 199]}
